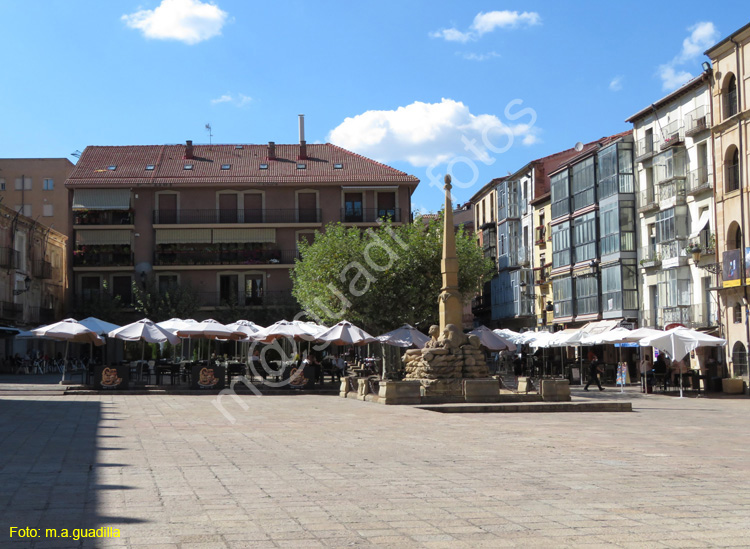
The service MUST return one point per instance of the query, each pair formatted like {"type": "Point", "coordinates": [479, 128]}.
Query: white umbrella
{"type": "Point", "coordinates": [679, 342]}
{"type": "Point", "coordinates": [246, 327]}
{"type": "Point", "coordinates": [174, 325]}
{"type": "Point", "coordinates": [209, 329]}
{"type": "Point", "coordinates": [145, 330]}
{"type": "Point", "coordinates": [296, 330]}
{"type": "Point", "coordinates": [539, 340]}
{"type": "Point", "coordinates": [68, 330]}
{"type": "Point", "coordinates": [405, 336]}
{"type": "Point", "coordinates": [491, 340]}
{"type": "Point", "coordinates": [101, 327]}
{"type": "Point", "coordinates": [509, 335]}
{"type": "Point", "coordinates": [345, 333]}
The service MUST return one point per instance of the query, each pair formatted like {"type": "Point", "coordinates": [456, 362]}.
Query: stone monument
{"type": "Point", "coordinates": [450, 358]}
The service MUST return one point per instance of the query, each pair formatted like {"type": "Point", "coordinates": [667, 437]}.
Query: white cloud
{"type": "Point", "coordinates": [189, 21]}
{"type": "Point", "coordinates": [702, 36]}
{"type": "Point", "coordinates": [488, 22]}
{"type": "Point", "coordinates": [616, 84]}
{"type": "Point", "coordinates": [240, 100]}
{"type": "Point", "coordinates": [480, 56]}
{"type": "Point", "coordinates": [426, 134]}
{"type": "Point", "coordinates": [672, 79]}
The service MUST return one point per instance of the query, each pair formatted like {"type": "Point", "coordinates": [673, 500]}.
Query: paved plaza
{"type": "Point", "coordinates": [321, 471]}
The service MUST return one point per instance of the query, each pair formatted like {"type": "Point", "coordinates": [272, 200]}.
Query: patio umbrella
{"type": "Point", "coordinates": [101, 327]}
{"type": "Point", "coordinates": [296, 330]}
{"type": "Point", "coordinates": [145, 330]}
{"type": "Point", "coordinates": [246, 327]}
{"type": "Point", "coordinates": [509, 335]}
{"type": "Point", "coordinates": [405, 336]}
{"type": "Point", "coordinates": [345, 333]}
{"type": "Point", "coordinates": [679, 342]}
{"type": "Point", "coordinates": [68, 330]}
{"type": "Point", "coordinates": [209, 329]}
{"type": "Point", "coordinates": [491, 340]}
{"type": "Point", "coordinates": [174, 325]}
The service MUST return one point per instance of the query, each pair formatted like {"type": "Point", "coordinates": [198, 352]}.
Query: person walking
{"type": "Point", "coordinates": [594, 370]}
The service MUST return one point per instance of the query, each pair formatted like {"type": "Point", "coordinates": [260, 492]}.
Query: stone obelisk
{"type": "Point", "coordinates": [450, 302]}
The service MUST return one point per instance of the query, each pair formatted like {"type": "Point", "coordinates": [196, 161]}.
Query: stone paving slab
{"type": "Point", "coordinates": [319, 471]}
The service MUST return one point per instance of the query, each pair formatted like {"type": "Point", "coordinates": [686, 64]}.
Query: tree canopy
{"type": "Point", "coordinates": [384, 277]}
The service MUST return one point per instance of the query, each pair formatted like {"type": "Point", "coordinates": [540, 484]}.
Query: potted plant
{"type": "Point", "coordinates": [695, 249]}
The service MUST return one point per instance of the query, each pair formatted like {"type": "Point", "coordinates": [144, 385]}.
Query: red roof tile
{"type": "Point", "coordinates": [169, 166]}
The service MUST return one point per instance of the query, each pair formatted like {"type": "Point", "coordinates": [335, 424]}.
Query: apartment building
{"type": "Point", "coordinates": [485, 226]}
{"type": "Point", "coordinates": [36, 188]}
{"type": "Point", "coordinates": [677, 243]}
{"type": "Point", "coordinates": [34, 273]}
{"type": "Point", "coordinates": [593, 229]}
{"type": "Point", "coordinates": [224, 219]}
{"type": "Point", "coordinates": [542, 261]}
{"type": "Point", "coordinates": [730, 59]}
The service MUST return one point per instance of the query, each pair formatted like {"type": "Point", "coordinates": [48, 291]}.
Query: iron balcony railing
{"type": "Point", "coordinates": [106, 217]}
{"type": "Point", "coordinates": [282, 298]}
{"type": "Point", "coordinates": [225, 257]}
{"type": "Point", "coordinates": [542, 275]}
{"type": "Point", "coordinates": [9, 258]}
{"type": "Point", "coordinates": [673, 189]}
{"type": "Point", "coordinates": [696, 121]}
{"type": "Point", "coordinates": [650, 257]}
{"type": "Point", "coordinates": [692, 316]}
{"type": "Point", "coordinates": [370, 215]}
{"type": "Point", "coordinates": [672, 249]}
{"type": "Point", "coordinates": [730, 103]}
{"type": "Point", "coordinates": [674, 134]}
{"type": "Point", "coordinates": [199, 217]}
{"type": "Point", "coordinates": [645, 147]}
{"type": "Point", "coordinates": [699, 180]}
{"type": "Point", "coordinates": [648, 201]}
{"type": "Point", "coordinates": [93, 258]}
{"type": "Point", "coordinates": [11, 311]}
{"type": "Point", "coordinates": [41, 269]}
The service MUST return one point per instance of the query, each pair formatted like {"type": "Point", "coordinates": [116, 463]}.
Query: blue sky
{"type": "Point", "coordinates": [408, 83]}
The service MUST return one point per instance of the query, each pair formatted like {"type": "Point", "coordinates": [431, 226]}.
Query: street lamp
{"type": "Point", "coordinates": [26, 287]}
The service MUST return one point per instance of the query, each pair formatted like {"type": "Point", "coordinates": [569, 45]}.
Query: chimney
{"type": "Point", "coordinates": [271, 150]}
{"type": "Point", "coordinates": [188, 149]}
{"type": "Point", "coordinates": [302, 142]}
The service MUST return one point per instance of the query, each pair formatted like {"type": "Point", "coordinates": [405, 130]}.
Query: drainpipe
{"type": "Point", "coordinates": [742, 194]}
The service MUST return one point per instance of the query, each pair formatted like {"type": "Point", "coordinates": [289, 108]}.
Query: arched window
{"type": "Point", "coordinates": [739, 359]}
{"type": "Point", "coordinates": [732, 169]}
{"type": "Point", "coordinates": [730, 97]}
{"type": "Point", "coordinates": [734, 236]}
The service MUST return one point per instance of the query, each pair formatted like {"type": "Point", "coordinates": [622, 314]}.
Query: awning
{"type": "Point", "coordinates": [105, 237]}
{"type": "Point", "coordinates": [183, 236]}
{"type": "Point", "coordinates": [101, 199]}
{"type": "Point", "coordinates": [244, 235]}
{"type": "Point", "coordinates": [593, 328]}
{"type": "Point", "coordinates": [699, 225]}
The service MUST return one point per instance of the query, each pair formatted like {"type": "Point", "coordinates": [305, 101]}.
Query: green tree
{"type": "Point", "coordinates": [178, 300]}
{"type": "Point", "coordinates": [384, 277]}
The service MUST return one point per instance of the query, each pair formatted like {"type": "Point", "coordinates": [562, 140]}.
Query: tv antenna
{"type": "Point", "coordinates": [210, 135]}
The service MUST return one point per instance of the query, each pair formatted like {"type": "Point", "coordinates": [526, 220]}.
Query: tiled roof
{"type": "Point", "coordinates": [169, 166]}
{"type": "Point", "coordinates": [589, 149]}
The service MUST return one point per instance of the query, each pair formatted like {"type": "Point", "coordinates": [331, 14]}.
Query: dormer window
{"type": "Point", "coordinates": [264, 166]}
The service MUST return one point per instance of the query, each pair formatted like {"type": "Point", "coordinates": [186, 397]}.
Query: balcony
{"type": "Point", "coordinates": [625, 300]}
{"type": "Point", "coordinates": [238, 254]}
{"type": "Point", "coordinates": [672, 192]}
{"type": "Point", "coordinates": [647, 201]}
{"type": "Point", "coordinates": [699, 180]}
{"type": "Point", "coordinates": [261, 298]}
{"type": "Point", "coordinates": [107, 217]}
{"type": "Point", "coordinates": [540, 235]}
{"type": "Point", "coordinates": [9, 258]}
{"type": "Point", "coordinates": [703, 315]}
{"type": "Point", "coordinates": [370, 215]}
{"type": "Point", "coordinates": [542, 275]}
{"type": "Point", "coordinates": [102, 256]}
{"type": "Point", "coordinates": [650, 257]}
{"type": "Point", "coordinates": [674, 134]}
{"type": "Point", "coordinates": [41, 315]}
{"type": "Point", "coordinates": [524, 256]}
{"type": "Point", "coordinates": [213, 217]}
{"type": "Point", "coordinates": [12, 312]}
{"type": "Point", "coordinates": [645, 148]}
{"type": "Point", "coordinates": [41, 269]}
{"type": "Point", "coordinates": [674, 249]}
{"type": "Point", "coordinates": [526, 303]}
{"type": "Point", "coordinates": [697, 121]}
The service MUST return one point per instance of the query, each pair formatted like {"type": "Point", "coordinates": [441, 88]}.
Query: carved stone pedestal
{"type": "Point", "coordinates": [481, 390]}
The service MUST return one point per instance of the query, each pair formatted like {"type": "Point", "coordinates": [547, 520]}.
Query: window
{"type": "Point", "coordinates": [732, 175]}
{"type": "Point", "coordinates": [562, 294]}
{"type": "Point", "coordinates": [25, 209]}
{"type": "Point", "coordinates": [607, 162]}
{"type": "Point", "coordinates": [730, 97]}
{"type": "Point", "coordinates": [561, 244]}
{"type": "Point", "coordinates": [387, 206]}
{"type": "Point", "coordinates": [665, 226]}
{"type": "Point", "coordinates": [738, 314]}
{"type": "Point", "coordinates": [587, 295]}
{"type": "Point", "coordinates": [619, 290]}
{"type": "Point", "coordinates": [238, 147]}
{"type": "Point", "coordinates": [584, 237]}
{"type": "Point", "coordinates": [149, 167]}
{"type": "Point", "coordinates": [560, 194]}
{"type": "Point", "coordinates": [228, 289]}
{"type": "Point", "coordinates": [254, 289]}
{"type": "Point", "coordinates": [111, 167]}
{"type": "Point", "coordinates": [48, 210]}
{"type": "Point", "coordinates": [582, 184]}
{"type": "Point", "coordinates": [90, 287]}
{"type": "Point", "coordinates": [23, 183]}
{"type": "Point", "coordinates": [122, 287]}
{"type": "Point", "coordinates": [353, 207]}
{"type": "Point", "coordinates": [226, 166]}
{"type": "Point", "coordinates": [48, 185]}
{"type": "Point", "coordinates": [187, 167]}
{"type": "Point", "coordinates": [264, 166]}
{"type": "Point", "coordinates": [338, 166]}
{"type": "Point", "coordinates": [609, 227]}
{"type": "Point", "coordinates": [674, 290]}
{"type": "Point", "coordinates": [307, 207]}
{"type": "Point", "coordinates": [167, 281]}
{"type": "Point", "coordinates": [739, 359]}
{"type": "Point", "coordinates": [2, 184]}
{"type": "Point", "coordinates": [301, 166]}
